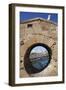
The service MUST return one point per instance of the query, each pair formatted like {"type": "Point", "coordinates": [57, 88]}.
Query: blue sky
{"type": "Point", "coordinates": [30, 15]}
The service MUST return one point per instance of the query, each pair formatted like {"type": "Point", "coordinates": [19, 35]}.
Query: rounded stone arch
{"type": "Point", "coordinates": [27, 63]}
{"type": "Point", "coordinates": [51, 43]}
{"type": "Point", "coordinates": [28, 44]}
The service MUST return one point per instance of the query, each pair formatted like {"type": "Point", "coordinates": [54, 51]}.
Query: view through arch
{"type": "Point", "coordinates": [37, 58]}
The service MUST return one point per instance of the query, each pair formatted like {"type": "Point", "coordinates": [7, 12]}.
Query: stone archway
{"type": "Point", "coordinates": [27, 63]}
{"type": "Point", "coordinates": [46, 41]}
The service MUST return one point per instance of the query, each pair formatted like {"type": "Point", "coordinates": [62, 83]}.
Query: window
{"type": "Point", "coordinates": [29, 25]}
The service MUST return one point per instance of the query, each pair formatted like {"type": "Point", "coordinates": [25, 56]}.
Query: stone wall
{"type": "Point", "coordinates": [40, 32]}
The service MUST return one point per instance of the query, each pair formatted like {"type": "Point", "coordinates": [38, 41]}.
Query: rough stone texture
{"type": "Point", "coordinates": [42, 31]}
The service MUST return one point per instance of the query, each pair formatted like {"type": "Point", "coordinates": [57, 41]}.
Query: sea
{"type": "Point", "coordinates": [40, 63]}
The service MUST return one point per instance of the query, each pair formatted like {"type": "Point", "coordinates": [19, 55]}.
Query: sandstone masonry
{"type": "Point", "coordinates": [38, 30]}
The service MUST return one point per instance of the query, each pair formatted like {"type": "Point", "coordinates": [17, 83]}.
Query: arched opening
{"type": "Point", "coordinates": [37, 58]}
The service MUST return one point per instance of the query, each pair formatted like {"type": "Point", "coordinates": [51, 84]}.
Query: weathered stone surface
{"type": "Point", "coordinates": [41, 32]}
